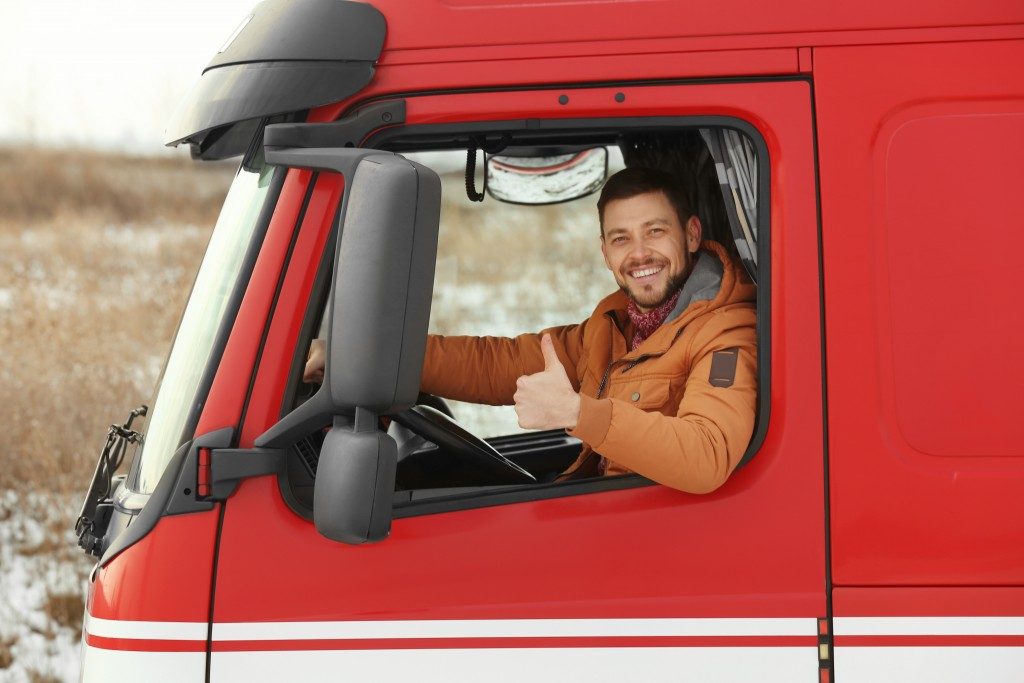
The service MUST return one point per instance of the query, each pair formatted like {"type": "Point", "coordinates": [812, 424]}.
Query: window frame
{"type": "Point", "coordinates": [394, 139]}
{"type": "Point", "coordinates": [222, 330]}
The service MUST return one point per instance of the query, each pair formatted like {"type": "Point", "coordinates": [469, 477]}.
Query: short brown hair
{"type": "Point", "coordinates": [637, 180]}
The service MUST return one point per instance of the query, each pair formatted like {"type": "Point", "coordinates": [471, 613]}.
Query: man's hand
{"type": "Point", "coordinates": [315, 362]}
{"type": "Point", "coordinates": [546, 400]}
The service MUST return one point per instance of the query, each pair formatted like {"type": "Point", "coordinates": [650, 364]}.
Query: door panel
{"type": "Point", "coordinates": [920, 166]}
{"type": "Point", "coordinates": [727, 585]}
{"type": "Point", "coordinates": [920, 149]}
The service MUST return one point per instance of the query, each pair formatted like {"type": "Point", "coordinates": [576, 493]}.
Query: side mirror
{"type": "Point", "coordinates": [378, 314]}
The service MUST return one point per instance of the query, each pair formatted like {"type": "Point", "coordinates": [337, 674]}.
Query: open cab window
{"type": "Point", "coordinates": [507, 267]}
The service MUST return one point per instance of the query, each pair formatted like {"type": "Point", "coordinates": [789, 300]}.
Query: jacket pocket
{"type": "Point", "coordinates": [647, 394]}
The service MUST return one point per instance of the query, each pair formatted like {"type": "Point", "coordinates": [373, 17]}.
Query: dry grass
{"type": "Point", "coordinates": [40, 677]}
{"type": "Point", "coordinates": [7, 652]}
{"type": "Point", "coordinates": [41, 185]}
{"type": "Point", "coordinates": [93, 277]}
{"type": "Point", "coordinates": [65, 609]}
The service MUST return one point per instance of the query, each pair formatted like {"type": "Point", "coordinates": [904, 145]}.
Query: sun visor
{"type": "Point", "coordinates": [287, 56]}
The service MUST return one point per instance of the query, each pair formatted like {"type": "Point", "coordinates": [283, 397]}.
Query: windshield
{"type": "Point", "coordinates": [176, 392]}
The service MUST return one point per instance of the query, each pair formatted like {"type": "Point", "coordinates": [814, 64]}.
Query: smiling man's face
{"type": "Point", "coordinates": [648, 250]}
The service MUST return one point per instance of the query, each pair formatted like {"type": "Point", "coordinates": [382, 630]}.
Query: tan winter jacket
{"type": "Point", "coordinates": [678, 410]}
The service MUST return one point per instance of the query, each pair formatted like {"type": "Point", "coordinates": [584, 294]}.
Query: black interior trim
{"type": "Point", "coordinates": [490, 496]}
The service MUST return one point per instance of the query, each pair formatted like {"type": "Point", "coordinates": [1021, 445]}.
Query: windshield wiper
{"type": "Point", "coordinates": [94, 517]}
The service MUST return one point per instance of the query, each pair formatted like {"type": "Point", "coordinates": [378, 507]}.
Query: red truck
{"type": "Point", "coordinates": [861, 160]}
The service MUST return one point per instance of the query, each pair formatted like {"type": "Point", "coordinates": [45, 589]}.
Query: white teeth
{"type": "Point", "coordinates": [645, 272]}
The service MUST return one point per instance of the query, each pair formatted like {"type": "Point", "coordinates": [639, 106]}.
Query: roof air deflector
{"type": "Point", "coordinates": [292, 55]}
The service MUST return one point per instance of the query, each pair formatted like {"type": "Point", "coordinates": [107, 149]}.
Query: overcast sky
{"type": "Point", "coordinates": [104, 73]}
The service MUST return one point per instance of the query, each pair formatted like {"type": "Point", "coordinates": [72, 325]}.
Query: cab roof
{"type": "Point", "coordinates": [585, 26]}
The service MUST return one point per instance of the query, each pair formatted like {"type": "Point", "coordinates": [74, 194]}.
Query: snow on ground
{"type": "Point", "coordinates": [42, 588]}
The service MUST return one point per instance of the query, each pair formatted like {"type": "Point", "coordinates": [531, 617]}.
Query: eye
{"type": "Point", "coordinates": [619, 239]}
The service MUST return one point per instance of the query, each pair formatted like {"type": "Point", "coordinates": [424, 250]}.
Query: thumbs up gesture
{"type": "Point", "coordinates": [546, 400]}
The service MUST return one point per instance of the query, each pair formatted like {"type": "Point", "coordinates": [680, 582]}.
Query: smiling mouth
{"type": "Point", "coordinates": [645, 274]}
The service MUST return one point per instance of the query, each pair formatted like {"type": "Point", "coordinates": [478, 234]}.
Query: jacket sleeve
{"type": "Point", "coordinates": [696, 449]}
{"type": "Point", "coordinates": [485, 369]}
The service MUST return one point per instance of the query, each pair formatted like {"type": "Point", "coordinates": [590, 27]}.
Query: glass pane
{"type": "Point", "coordinates": [198, 329]}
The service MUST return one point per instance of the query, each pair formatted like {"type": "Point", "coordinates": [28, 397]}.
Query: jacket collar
{"type": "Point", "coordinates": [716, 281]}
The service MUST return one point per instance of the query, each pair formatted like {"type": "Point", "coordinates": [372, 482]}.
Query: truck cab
{"type": "Point", "coordinates": [860, 168]}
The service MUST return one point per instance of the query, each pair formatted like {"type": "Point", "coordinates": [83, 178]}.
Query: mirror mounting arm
{"type": "Point", "coordinates": [365, 420]}
{"type": "Point", "coordinates": [349, 131]}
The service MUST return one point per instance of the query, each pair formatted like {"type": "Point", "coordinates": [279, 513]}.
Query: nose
{"type": "Point", "coordinates": [639, 250]}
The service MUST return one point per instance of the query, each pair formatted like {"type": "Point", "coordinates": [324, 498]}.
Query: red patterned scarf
{"type": "Point", "coordinates": [644, 324]}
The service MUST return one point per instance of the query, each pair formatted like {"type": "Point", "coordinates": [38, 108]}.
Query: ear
{"type": "Point", "coordinates": [693, 234]}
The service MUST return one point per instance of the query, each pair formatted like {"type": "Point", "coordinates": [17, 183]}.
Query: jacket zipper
{"type": "Point", "coordinates": [608, 371]}
{"type": "Point", "coordinates": [565, 476]}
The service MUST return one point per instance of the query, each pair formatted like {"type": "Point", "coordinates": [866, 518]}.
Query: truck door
{"type": "Point", "coordinates": [920, 149]}
{"type": "Point", "coordinates": [608, 581]}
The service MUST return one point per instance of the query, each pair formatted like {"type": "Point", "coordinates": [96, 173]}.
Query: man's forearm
{"type": "Point", "coordinates": [472, 369]}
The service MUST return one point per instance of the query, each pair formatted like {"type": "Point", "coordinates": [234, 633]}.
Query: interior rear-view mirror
{"type": "Point", "coordinates": [545, 176]}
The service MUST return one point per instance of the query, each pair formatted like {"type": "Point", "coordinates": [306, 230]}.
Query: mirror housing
{"type": "Point", "coordinates": [355, 481]}
{"type": "Point", "coordinates": [378, 315]}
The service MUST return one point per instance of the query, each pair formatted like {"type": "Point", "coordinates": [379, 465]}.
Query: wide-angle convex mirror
{"type": "Point", "coordinates": [539, 176]}
{"type": "Point", "coordinates": [379, 309]}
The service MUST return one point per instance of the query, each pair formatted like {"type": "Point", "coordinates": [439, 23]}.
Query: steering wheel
{"type": "Point", "coordinates": [446, 433]}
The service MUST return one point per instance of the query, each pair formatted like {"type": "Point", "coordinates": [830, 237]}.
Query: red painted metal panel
{"type": "Point", "coordinates": [944, 300]}
{"type": "Point", "coordinates": [755, 547]}
{"type": "Point", "coordinates": [164, 577]}
{"type": "Point", "coordinates": [223, 406]}
{"type": "Point", "coordinates": [144, 645]}
{"type": "Point", "coordinates": [919, 160]}
{"type": "Point", "coordinates": [648, 54]}
{"type": "Point", "coordinates": [230, 386]}
{"type": "Point", "coordinates": [291, 303]}
{"type": "Point", "coordinates": [597, 25]}
{"type": "Point", "coordinates": [652, 100]}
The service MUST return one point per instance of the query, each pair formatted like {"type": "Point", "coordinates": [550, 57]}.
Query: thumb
{"type": "Point", "coordinates": [550, 357]}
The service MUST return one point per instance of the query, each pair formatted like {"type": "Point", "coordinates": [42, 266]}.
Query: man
{"type": "Point", "coordinates": [660, 380]}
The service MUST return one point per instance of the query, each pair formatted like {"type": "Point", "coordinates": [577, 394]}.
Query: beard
{"type": "Point", "coordinates": [654, 299]}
